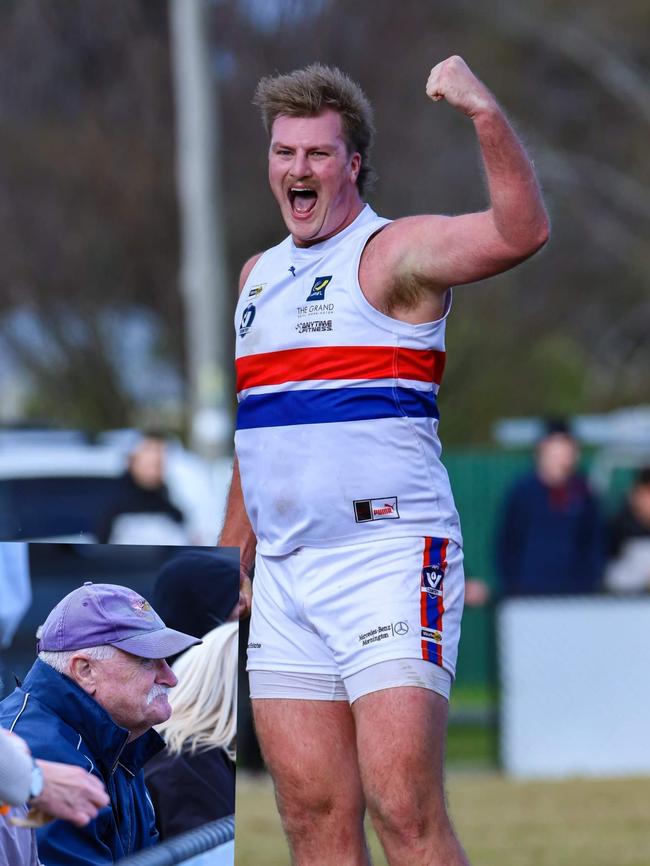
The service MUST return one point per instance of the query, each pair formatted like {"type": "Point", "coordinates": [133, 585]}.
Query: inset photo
{"type": "Point", "coordinates": [118, 710]}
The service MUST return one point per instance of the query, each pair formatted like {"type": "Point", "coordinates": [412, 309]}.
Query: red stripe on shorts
{"type": "Point", "coordinates": [431, 651]}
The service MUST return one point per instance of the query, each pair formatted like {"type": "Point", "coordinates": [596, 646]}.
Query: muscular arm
{"type": "Point", "coordinates": [237, 530]}
{"type": "Point", "coordinates": [435, 252]}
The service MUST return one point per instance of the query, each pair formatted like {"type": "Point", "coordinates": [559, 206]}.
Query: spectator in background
{"type": "Point", "coordinates": [39, 791]}
{"type": "Point", "coordinates": [141, 511]}
{"type": "Point", "coordinates": [629, 540]}
{"type": "Point", "coordinates": [551, 535]}
{"type": "Point", "coordinates": [193, 780]}
{"type": "Point", "coordinates": [197, 590]}
{"type": "Point", "coordinates": [91, 698]}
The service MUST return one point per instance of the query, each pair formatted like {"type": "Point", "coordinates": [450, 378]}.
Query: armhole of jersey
{"type": "Point", "coordinates": [251, 272]}
{"type": "Point", "coordinates": [381, 319]}
{"type": "Point", "coordinates": [449, 299]}
{"type": "Point", "coordinates": [242, 297]}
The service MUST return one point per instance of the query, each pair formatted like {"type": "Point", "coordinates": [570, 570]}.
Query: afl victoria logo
{"type": "Point", "coordinates": [317, 292]}
{"type": "Point", "coordinates": [247, 320]}
{"type": "Point", "coordinates": [432, 576]}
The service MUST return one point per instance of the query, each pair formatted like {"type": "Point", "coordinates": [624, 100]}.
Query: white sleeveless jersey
{"type": "Point", "coordinates": [337, 421]}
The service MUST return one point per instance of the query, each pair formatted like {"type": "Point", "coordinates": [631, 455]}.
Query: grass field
{"type": "Point", "coordinates": [500, 822]}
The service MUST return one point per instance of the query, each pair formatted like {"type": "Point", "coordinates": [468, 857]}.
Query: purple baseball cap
{"type": "Point", "coordinates": [104, 613]}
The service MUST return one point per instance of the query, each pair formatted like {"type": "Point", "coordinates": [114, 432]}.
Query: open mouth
{"type": "Point", "coordinates": [302, 200]}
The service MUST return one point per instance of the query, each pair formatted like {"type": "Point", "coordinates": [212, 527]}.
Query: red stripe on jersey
{"type": "Point", "coordinates": [339, 362]}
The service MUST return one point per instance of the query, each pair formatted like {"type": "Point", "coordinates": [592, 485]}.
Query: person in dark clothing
{"type": "Point", "coordinates": [91, 699]}
{"type": "Point", "coordinates": [140, 511]}
{"type": "Point", "coordinates": [193, 780]}
{"type": "Point", "coordinates": [198, 589]}
{"type": "Point", "coordinates": [629, 540]}
{"type": "Point", "coordinates": [551, 534]}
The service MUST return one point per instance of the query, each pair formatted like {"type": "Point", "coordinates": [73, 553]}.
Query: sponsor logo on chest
{"type": "Point", "coordinates": [317, 291]}
{"type": "Point", "coordinates": [315, 314]}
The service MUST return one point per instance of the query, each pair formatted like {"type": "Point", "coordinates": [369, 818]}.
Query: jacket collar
{"type": "Point", "coordinates": [107, 740]}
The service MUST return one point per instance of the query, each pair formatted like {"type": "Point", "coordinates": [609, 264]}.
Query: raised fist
{"type": "Point", "coordinates": [453, 80]}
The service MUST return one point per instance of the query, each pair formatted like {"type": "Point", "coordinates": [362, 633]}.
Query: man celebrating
{"type": "Point", "coordinates": [358, 583]}
{"type": "Point", "coordinates": [90, 699]}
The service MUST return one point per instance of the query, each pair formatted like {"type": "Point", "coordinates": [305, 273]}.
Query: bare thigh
{"type": "Point", "coordinates": [400, 744]}
{"type": "Point", "coordinates": [310, 750]}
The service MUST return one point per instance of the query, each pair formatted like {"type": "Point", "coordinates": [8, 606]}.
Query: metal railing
{"type": "Point", "coordinates": [182, 848]}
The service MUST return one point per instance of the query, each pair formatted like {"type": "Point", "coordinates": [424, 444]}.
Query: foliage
{"type": "Point", "coordinates": [88, 214]}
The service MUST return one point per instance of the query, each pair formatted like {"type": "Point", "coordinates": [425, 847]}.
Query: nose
{"type": "Point", "coordinates": [165, 675]}
{"type": "Point", "coordinates": [300, 166]}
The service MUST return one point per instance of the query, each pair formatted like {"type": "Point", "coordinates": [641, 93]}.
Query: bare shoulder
{"type": "Point", "coordinates": [246, 270]}
{"type": "Point", "coordinates": [398, 237]}
{"type": "Point", "coordinates": [392, 273]}
{"type": "Point", "coordinates": [419, 256]}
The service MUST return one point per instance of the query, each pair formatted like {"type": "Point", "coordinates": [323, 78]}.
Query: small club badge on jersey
{"type": "Point", "coordinates": [247, 320]}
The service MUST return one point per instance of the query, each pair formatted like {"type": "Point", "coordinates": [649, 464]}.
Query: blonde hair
{"type": "Point", "coordinates": [309, 91]}
{"type": "Point", "coordinates": [204, 703]}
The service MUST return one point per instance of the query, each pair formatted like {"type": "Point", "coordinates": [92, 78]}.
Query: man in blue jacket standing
{"type": "Point", "coordinates": [551, 535]}
{"type": "Point", "coordinates": [91, 698]}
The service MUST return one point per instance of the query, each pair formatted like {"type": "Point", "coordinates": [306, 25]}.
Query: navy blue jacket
{"type": "Point", "coordinates": [551, 540]}
{"type": "Point", "coordinates": [60, 722]}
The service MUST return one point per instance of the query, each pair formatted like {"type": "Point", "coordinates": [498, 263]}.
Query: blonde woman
{"type": "Point", "coordinates": [193, 780]}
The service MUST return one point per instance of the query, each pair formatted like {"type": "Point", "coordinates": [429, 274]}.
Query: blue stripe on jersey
{"type": "Point", "coordinates": [286, 408]}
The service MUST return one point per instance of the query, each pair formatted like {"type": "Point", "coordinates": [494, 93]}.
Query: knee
{"type": "Point", "coordinates": [304, 808]}
{"type": "Point", "coordinates": [300, 807]}
{"type": "Point", "coordinates": [407, 818]}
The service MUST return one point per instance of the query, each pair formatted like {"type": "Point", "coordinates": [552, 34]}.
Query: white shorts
{"type": "Point", "coordinates": [331, 687]}
{"type": "Point", "coordinates": [337, 611]}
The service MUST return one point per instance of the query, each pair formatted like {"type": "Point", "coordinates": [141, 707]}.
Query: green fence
{"type": "Point", "coordinates": [480, 479]}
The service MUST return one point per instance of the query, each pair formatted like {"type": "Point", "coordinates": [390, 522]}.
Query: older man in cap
{"type": "Point", "coordinates": [91, 698]}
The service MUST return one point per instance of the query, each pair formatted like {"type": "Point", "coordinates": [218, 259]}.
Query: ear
{"type": "Point", "coordinates": [355, 167]}
{"type": "Point", "coordinates": [82, 671]}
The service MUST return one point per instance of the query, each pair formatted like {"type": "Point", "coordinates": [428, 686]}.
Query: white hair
{"type": "Point", "coordinates": [204, 703]}
{"type": "Point", "coordinates": [60, 661]}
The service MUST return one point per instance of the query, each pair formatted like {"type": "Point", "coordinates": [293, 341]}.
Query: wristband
{"type": "Point", "coordinates": [37, 782]}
